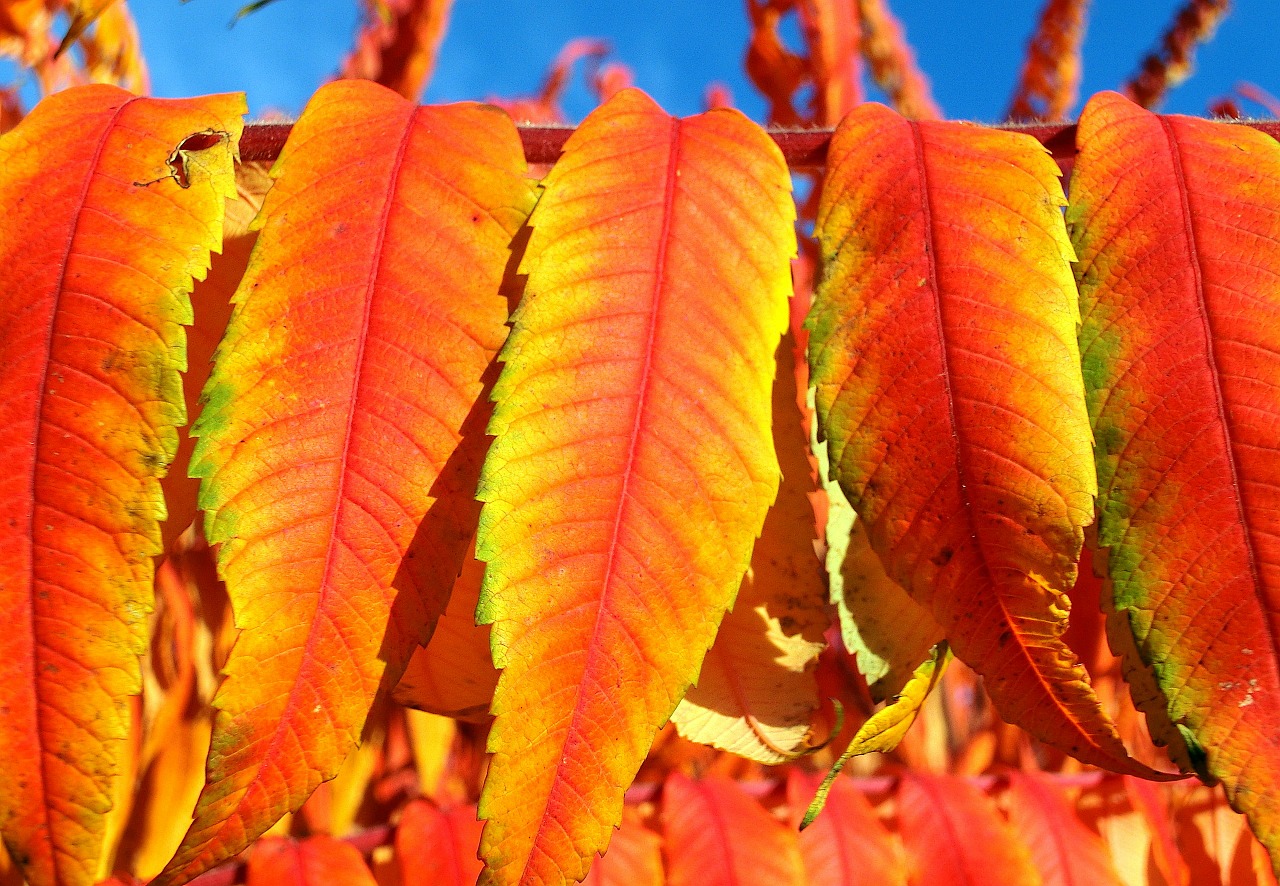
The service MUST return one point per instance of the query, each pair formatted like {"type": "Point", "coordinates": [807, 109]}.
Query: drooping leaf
{"type": "Point", "coordinates": [1062, 847]}
{"type": "Point", "coordinates": [756, 693]}
{"type": "Point", "coordinates": [632, 464]}
{"type": "Point", "coordinates": [955, 836]}
{"type": "Point", "coordinates": [847, 845]}
{"type": "Point", "coordinates": [342, 432]}
{"type": "Point", "coordinates": [315, 861]}
{"type": "Point", "coordinates": [437, 847]}
{"type": "Point", "coordinates": [717, 835]}
{"type": "Point", "coordinates": [1179, 276]}
{"type": "Point", "coordinates": [888, 632]}
{"type": "Point", "coordinates": [99, 242]}
{"type": "Point", "coordinates": [886, 727]}
{"type": "Point", "coordinates": [453, 675]}
{"type": "Point", "coordinates": [948, 386]}
{"type": "Point", "coordinates": [634, 857]}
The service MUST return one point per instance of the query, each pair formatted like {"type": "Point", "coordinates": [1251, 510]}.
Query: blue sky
{"type": "Point", "coordinates": [972, 51]}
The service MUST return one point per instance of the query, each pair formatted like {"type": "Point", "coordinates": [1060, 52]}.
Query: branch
{"type": "Point", "coordinates": [802, 148]}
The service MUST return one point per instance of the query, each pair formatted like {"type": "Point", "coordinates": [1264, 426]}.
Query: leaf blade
{"type": "Point", "coordinates": [342, 431]}
{"type": "Point", "coordinates": [1184, 408]}
{"type": "Point", "coordinates": [614, 250]}
{"type": "Point", "coordinates": [929, 326]}
{"type": "Point", "coordinates": [100, 245]}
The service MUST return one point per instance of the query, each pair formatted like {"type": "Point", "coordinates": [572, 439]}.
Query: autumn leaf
{"type": "Point", "coordinates": [717, 835]}
{"type": "Point", "coordinates": [99, 243]}
{"type": "Point", "coordinates": [1179, 267]}
{"type": "Point", "coordinates": [889, 633]}
{"type": "Point", "coordinates": [341, 435]}
{"type": "Point", "coordinates": [948, 386]}
{"type": "Point", "coordinates": [847, 845]}
{"type": "Point", "coordinates": [885, 728]}
{"type": "Point", "coordinates": [437, 847]}
{"type": "Point", "coordinates": [1062, 847]}
{"type": "Point", "coordinates": [955, 836]}
{"type": "Point", "coordinates": [315, 861]}
{"type": "Point", "coordinates": [633, 462]}
{"type": "Point", "coordinates": [756, 693]}
{"type": "Point", "coordinates": [634, 857]}
{"type": "Point", "coordinates": [453, 675]}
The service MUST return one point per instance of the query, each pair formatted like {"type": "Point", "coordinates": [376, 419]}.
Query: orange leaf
{"type": "Point", "coordinates": [99, 242]}
{"type": "Point", "coordinates": [948, 384]}
{"type": "Point", "coordinates": [634, 857]}
{"type": "Point", "coordinates": [315, 861]}
{"type": "Point", "coordinates": [1064, 850]}
{"type": "Point", "coordinates": [437, 847]}
{"type": "Point", "coordinates": [847, 845]}
{"type": "Point", "coordinates": [633, 462]}
{"type": "Point", "coordinates": [756, 693]}
{"type": "Point", "coordinates": [453, 675]}
{"type": "Point", "coordinates": [1179, 270]}
{"type": "Point", "coordinates": [341, 433]}
{"type": "Point", "coordinates": [716, 835]}
{"type": "Point", "coordinates": [955, 836]}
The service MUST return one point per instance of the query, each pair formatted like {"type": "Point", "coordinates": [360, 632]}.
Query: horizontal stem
{"type": "Point", "coordinates": [802, 148]}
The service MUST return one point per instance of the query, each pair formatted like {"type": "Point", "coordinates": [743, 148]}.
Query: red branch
{"type": "Point", "coordinates": [803, 148]}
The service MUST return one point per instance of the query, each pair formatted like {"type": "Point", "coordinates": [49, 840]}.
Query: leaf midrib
{"type": "Point", "coordinates": [594, 645]}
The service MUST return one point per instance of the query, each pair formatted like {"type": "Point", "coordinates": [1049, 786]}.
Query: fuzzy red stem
{"type": "Point", "coordinates": [803, 148]}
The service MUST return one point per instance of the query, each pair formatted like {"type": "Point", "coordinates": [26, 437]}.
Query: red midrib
{"type": "Point", "coordinates": [41, 392]}
{"type": "Point", "coordinates": [1215, 375]}
{"type": "Point", "coordinates": [593, 647]}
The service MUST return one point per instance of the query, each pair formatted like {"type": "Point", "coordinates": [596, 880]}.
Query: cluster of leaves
{"type": "Point", "coordinates": [648, 489]}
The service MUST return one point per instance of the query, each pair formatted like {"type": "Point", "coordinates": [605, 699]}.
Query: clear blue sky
{"type": "Point", "coordinates": [972, 51]}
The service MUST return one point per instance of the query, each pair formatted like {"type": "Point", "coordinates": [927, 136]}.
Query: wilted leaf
{"type": "Point", "coordinates": [886, 727]}
{"type": "Point", "coordinates": [99, 242]}
{"type": "Point", "coordinates": [1177, 224]}
{"type": "Point", "coordinates": [341, 435]}
{"type": "Point", "coordinates": [948, 385]}
{"type": "Point", "coordinates": [632, 465]}
{"type": "Point", "coordinates": [716, 835]}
